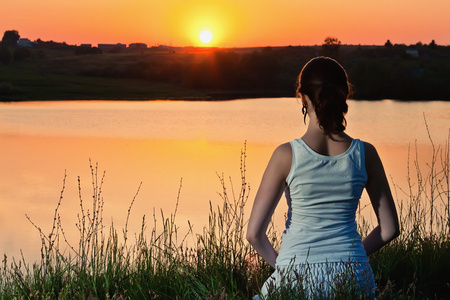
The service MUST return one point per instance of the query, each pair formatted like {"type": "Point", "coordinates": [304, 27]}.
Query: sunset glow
{"type": "Point", "coordinates": [233, 23]}
{"type": "Point", "coordinates": [206, 36]}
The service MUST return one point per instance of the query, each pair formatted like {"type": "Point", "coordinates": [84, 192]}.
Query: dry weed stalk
{"type": "Point", "coordinates": [426, 213]}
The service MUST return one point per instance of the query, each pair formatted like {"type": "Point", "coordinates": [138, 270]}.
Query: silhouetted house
{"type": "Point", "coordinates": [412, 52]}
{"type": "Point", "coordinates": [25, 43]}
{"type": "Point", "coordinates": [137, 46]}
{"type": "Point", "coordinates": [86, 45]}
{"type": "Point", "coordinates": [112, 46]}
{"type": "Point", "coordinates": [164, 47]}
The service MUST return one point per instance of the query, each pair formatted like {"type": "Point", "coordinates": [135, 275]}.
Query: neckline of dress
{"type": "Point", "coordinates": [328, 157]}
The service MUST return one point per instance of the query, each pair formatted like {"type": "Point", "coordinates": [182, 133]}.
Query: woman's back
{"type": "Point", "coordinates": [323, 194]}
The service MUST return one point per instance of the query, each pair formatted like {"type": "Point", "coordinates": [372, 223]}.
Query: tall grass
{"type": "Point", "coordinates": [220, 264]}
{"type": "Point", "coordinates": [414, 266]}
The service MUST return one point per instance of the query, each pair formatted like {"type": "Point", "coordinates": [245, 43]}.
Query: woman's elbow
{"type": "Point", "coordinates": [390, 233]}
{"type": "Point", "coordinates": [251, 237]}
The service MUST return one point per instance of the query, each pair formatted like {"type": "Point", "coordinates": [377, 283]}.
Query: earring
{"type": "Point", "coordinates": [304, 112]}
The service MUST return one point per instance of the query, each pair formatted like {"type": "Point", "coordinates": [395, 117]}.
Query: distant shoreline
{"type": "Point", "coordinates": [376, 72]}
{"type": "Point", "coordinates": [195, 99]}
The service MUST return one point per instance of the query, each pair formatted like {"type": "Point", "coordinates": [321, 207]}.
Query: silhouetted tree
{"type": "Point", "coordinates": [5, 55]}
{"type": "Point", "coordinates": [432, 45]}
{"type": "Point", "coordinates": [388, 44]}
{"type": "Point", "coordinates": [330, 46]}
{"type": "Point", "coordinates": [10, 38]}
{"type": "Point", "coordinates": [40, 44]}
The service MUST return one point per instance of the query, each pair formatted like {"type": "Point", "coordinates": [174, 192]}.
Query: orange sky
{"type": "Point", "coordinates": [233, 23]}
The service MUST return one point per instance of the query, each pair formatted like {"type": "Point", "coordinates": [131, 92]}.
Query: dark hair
{"type": "Point", "coordinates": [326, 84]}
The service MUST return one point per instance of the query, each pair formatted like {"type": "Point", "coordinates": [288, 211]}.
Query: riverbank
{"type": "Point", "coordinates": [26, 83]}
{"type": "Point", "coordinates": [377, 72]}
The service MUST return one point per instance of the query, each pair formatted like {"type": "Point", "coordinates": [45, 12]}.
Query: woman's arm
{"type": "Point", "coordinates": [382, 202]}
{"type": "Point", "coordinates": [268, 195]}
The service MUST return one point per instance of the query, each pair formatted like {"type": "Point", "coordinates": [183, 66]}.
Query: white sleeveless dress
{"type": "Point", "coordinates": [321, 249]}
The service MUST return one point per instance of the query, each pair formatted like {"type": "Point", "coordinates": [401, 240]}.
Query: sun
{"type": "Point", "coordinates": [206, 36]}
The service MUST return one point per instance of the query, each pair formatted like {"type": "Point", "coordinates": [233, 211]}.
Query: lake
{"type": "Point", "coordinates": [159, 143]}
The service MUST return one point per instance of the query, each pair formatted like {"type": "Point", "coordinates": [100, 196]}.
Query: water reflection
{"type": "Point", "coordinates": [159, 143]}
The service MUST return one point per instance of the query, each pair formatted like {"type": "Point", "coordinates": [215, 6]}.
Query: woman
{"type": "Point", "coordinates": [323, 175]}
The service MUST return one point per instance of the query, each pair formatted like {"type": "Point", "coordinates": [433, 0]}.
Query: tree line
{"type": "Point", "coordinates": [395, 71]}
{"type": "Point", "coordinates": [10, 51]}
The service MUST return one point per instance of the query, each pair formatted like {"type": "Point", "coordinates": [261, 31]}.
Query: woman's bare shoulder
{"type": "Point", "coordinates": [369, 149]}
{"type": "Point", "coordinates": [282, 157]}
{"type": "Point", "coordinates": [373, 161]}
{"type": "Point", "coordinates": [284, 149]}
{"type": "Point", "coordinates": [283, 152]}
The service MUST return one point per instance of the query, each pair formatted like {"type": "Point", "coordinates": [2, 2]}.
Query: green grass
{"type": "Point", "coordinates": [159, 264]}
{"type": "Point", "coordinates": [24, 81]}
